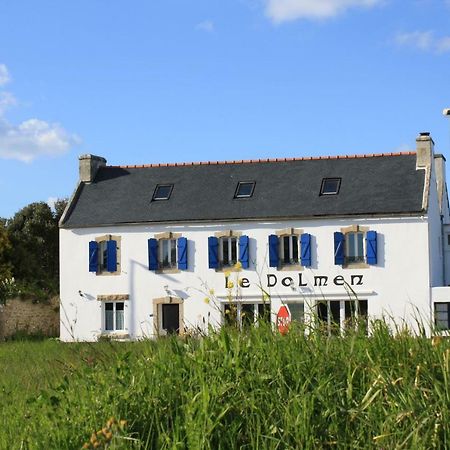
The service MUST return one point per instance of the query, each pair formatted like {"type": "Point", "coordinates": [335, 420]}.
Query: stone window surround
{"type": "Point", "coordinates": [289, 232]}
{"type": "Point", "coordinates": [110, 237]}
{"type": "Point", "coordinates": [229, 233]}
{"type": "Point", "coordinates": [163, 236]}
{"type": "Point", "coordinates": [167, 301]}
{"type": "Point", "coordinates": [355, 229]}
{"type": "Point", "coordinates": [114, 298]}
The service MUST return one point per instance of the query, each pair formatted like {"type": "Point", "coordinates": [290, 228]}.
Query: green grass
{"type": "Point", "coordinates": [231, 390]}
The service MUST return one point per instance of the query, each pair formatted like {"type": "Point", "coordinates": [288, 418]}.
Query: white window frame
{"type": "Point", "coordinates": [239, 312]}
{"type": "Point", "coordinates": [232, 241]}
{"type": "Point", "coordinates": [362, 257]}
{"type": "Point", "coordinates": [103, 256]}
{"type": "Point", "coordinates": [114, 315]}
{"type": "Point", "coordinates": [296, 303]}
{"type": "Point", "coordinates": [447, 313]}
{"type": "Point", "coordinates": [292, 261]}
{"type": "Point", "coordinates": [342, 319]}
{"type": "Point", "coordinates": [171, 264]}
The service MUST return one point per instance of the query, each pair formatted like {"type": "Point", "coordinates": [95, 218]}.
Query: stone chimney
{"type": "Point", "coordinates": [439, 164]}
{"type": "Point", "coordinates": [424, 149]}
{"type": "Point", "coordinates": [89, 164]}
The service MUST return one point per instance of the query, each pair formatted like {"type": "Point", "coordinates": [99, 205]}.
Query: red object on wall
{"type": "Point", "coordinates": [283, 319]}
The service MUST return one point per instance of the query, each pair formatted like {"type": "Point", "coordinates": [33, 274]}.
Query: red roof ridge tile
{"type": "Point", "coordinates": [265, 160]}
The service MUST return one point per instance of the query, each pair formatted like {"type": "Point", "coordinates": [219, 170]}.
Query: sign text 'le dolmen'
{"type": "Point", "coordinates": [317, 281]}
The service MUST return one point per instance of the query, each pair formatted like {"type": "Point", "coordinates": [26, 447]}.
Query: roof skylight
{"type": "Point", "coordinates": [244, 189]}
{"type": "Point", "coordinates": [162, 192]}
{"type": "Point", "coordinates": [330, 186]}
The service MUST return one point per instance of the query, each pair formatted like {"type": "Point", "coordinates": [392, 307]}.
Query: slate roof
{"type": "Point", "coordinates": [285, 188]}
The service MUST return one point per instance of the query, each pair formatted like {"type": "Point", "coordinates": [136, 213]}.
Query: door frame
{"type": "Point", "coordinates": [157, 314]}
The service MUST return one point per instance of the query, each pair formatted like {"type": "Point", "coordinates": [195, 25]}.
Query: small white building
{"type": "Point", "coordinates": [150, 250]}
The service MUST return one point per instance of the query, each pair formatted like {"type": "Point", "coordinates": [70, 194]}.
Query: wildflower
{"type": "Point", "coordinates": [227, 274]}
{"type": "Point", "coordinates": [238, 266]}
{"type": "Point", "coordinates": [436, 341]}
{"type": "Point", "coordinates": [211, 291]}
{"type": "Point", "coordinates": [206, 300]}
{"type": "Point", "coordinates": [230, 285]}
{"type": "Point", "coordinates": [108, 436]}
{"type": "Point", "coordinates": [123, 423]}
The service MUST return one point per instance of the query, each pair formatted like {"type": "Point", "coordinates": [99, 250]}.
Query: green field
{"type": "Point", "coordinates": [231, 390]}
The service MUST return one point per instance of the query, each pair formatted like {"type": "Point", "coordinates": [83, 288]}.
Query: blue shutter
{"type": "Point", "coordinates": [371, 247]}
{"type": "Point", "coordinates": [273, 250]}
{"type": "Point", "coordinates": [182, 253]}
{"type": "Point", "coordinates": [244, 251]}
{"type": "Point", "coordinates": [93, 256]}
{"type": "Point", "coordinates": [213, 252]}
{"type": "Point", "coordinates": [305, 246]}
{"type": "Point", "coordinates": [152, 254]}
{"type": "Point", "coordinates": [111, 250]}
{"type": "Point", "coordinates": [339, 248]}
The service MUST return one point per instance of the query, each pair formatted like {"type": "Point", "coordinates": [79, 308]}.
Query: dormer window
{"type": "Point", "coordinates": [162, 192]}
{"type": "Point", "coordinates": [330, 186]}
{"type": "Point", "coordinates": [244, 189]}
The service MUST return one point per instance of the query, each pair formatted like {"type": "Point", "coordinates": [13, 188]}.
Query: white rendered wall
{"type": "Point", "coordinates": [397, 286]}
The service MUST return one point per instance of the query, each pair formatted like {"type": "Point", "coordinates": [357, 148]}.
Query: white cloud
{"type": "Point", "coordinates": [33, 138]}
{"type": "Point", "coordinates": [443, 44]}
{"type": "Point", "coordinates": [206, 25]}
{"type": "Point", "coordinates": [286, 10]}
{"type": "Point", "coordinates": [4, 75]}
{"type": "Point", "coordinates": [6, 101]}
{"type": "Point", "coordinates": [423, 40]}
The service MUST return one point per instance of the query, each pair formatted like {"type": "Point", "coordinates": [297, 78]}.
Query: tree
{"type": "Point", "coordinates": [5, 252]}
{"type": "Point", "coordinates": [34, 235]}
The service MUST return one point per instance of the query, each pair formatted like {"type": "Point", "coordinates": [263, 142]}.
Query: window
{"type": "Point", "coordinates": [289, 247]}
{"type": "Point", "coordinates": [442, 316]}
{"type": "Point", "coordinates": [167, 251]}
{"type": "Point", "coordinates": [337, 315]}
{"type": "Point", "coordinates": [162, 192]}
{"type": "Point", "coordinates": [245, 314]}
{"type": "Point", "coordinates": [297, 310]}
{"type": "Point", "coordinates": [244, 189]}
{"type": "Point", "coordinates": [330, 186]}
{"type": "Point", "coordinates": [355, 245]}
{"type": "Point", "coordinates": [227, 251]}
{"type": "Point", "coordinates": [104, 255]}
{"type": "Point", "coordinates": [227, 248]}
{"type": "Point", "coordinates": [114, 316]}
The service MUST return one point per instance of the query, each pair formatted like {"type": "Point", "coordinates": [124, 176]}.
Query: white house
{"type": "Point", "coordinates": [148, 250]}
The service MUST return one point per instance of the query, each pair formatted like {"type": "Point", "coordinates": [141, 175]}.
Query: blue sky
{"type": "Point", "coordinates": [162, 81]}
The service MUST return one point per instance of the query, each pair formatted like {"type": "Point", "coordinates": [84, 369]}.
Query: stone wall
{"type": "Point", "coordinates": [28, 317]}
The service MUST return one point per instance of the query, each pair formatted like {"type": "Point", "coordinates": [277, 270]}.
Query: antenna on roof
{"type": "Point", "coordinates": [446, 112]}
